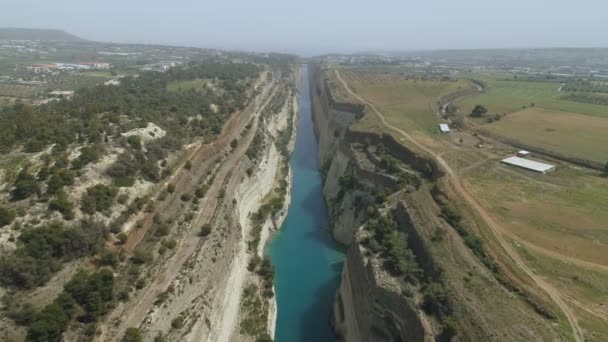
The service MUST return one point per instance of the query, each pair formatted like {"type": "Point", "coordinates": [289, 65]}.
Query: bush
{"type": "Point", "coordinates": [42, 250]}
{"type": "Point", "coordinates": [25, 186]}
{"type": "Point", "coordinates": [6, 216]}
{"type": "Point", "coordinates": [62, 205]}
{"type": "Point", "coordinates": [134, 141]}
{"type": "Point", "coordinates": [122, 238]}
{"type": "Point", "coordinates": [59, 179]}
{"type": "Point", "coordinates": [99, 197]}
{"type": "Point", "coordinates": [171, 188]}
{"type": "Point", "coordinates": [205, 230]}
{"type": "Point", "coordinates": [188, 165]}
{"type": "Point", "coordinates": [478, 111]}
{"type": "Point", "coordinates": [177, 323]}
{"type": "Point", "coordinates": [435, 299]}
{"type": "Point", "coordinates": [88, 154]}
{"type": "Point", "coordinates": [132, 335]}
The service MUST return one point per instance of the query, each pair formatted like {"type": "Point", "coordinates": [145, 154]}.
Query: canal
{"type": "Point", "coordinates": [308, 262]}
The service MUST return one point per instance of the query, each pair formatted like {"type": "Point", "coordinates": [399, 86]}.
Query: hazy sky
{"type": "Point", "coordinates": [318, 26]}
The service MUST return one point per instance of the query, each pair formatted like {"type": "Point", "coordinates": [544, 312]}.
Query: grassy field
{"type": "Point", "coordinates": [406, 103]}
{"type": "Point", "coordinates": [571, 134]}
{"type": "Point", "coordinates": [506, 96]}
{"type": "Point", "coordinates": [564, 211]}
{"type": "Point", "coordinates": [197, 85]}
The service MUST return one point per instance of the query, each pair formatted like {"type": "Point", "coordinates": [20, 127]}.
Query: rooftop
{"type": "Point", "coordinates": [529, 164]}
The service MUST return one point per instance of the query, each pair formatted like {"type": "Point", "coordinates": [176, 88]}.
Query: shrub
{"type": "Point", "coordinates": [177, 323]}
{"type": "Point", "coordinates": [59, 179]}
{"type": "Point", "coordinates": [188, 165]}
{"type": "Point", "coordinates": [132, 335]}
{"type": "Point", "coordinates": [25, 186]}
{"type": "Point", "coordinates": [134, 141]}
{"type": "Point", "coordinates": [205, 230]}
{"type": "Point", "coordinates": [99, 197]}
{"type": "Point", "coordinates": [478, 111]}
{"type": "Point", "coordinates": [6, 216]}
{"type": "Point", "coordinates": [171, 188]}
{"type": "Point", "coordinates": [122, 238]}
{"type": "Point", "coordinates": [435, 299]}
{"type": "Point", "coordinates": [62, 205]}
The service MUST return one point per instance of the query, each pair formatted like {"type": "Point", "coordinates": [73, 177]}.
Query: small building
{"type": "Point", "coordinates": [444, 128]}
{"type": "Point", "coordinates": [524, 153]}
{"type": "Point", "coordinates": [529, 164]}
{"type": "Point", "coordinates": [62, 94]}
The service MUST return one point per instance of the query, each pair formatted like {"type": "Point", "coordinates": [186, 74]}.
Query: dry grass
{"type": "Point", "coordinates": [405, 103]}
{"type": "Point", "coordinates": [578, 135]}
{"type": "Point", "coordinates": [564, 211]}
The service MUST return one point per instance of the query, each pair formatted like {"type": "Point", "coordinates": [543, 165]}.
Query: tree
{"type": "Point", "coordinates": [132, 335]}
{"type": "Point", "coordinates": [606, 168]}
{"type": "Point", "coordinates": [6, 216]}
{"type": "Point", "coordinates": [25, 186]}
{"type": "Point", "coordinates": [479, 111]}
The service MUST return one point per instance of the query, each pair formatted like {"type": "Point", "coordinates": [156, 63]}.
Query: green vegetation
{"type": "Point", "coordinates": [7, 216]}
{"type": "Point", "coordinates": [478, 111]}
{"type": "Point", "coordinates": [504, 94]}
{"type": "Point", "coordinates": [93, 292]}
{"type": "Point", "coordinates": [392, 244]}
{"type": "Point", "coordinates": [25, 186]}
{"type": "Point", "coordinates": [98, 198]}
{"type": "Point", "coordinates": [63, 206]}
{"type": "Point", "coordinates": [586, 98]}
{"type": "Point", "coordinates": [41, 251]}
{"type": "Point", "coordinates": [95, 110]}
{"type": "Point", "coordinates": [132, 335]}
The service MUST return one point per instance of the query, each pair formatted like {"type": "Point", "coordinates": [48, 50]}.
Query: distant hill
{"type": "Point", "coordinates": [37, 34]}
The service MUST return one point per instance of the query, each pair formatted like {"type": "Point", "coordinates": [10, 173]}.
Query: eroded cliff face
{"type": "Point", "coordinates": [368, 306]}
{"type": "Point", "coordinates": [367, 173]}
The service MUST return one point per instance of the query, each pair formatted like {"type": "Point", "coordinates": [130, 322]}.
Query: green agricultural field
{"type": "Point", "coordinates": [563, 211]}
{"type": "Point", "coordinates": [572, 134]}
{"type": "Point", "coordinates": [505, 95]}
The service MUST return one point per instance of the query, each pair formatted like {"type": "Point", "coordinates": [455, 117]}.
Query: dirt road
{"type": "Point", "coordinates": [554, 294]}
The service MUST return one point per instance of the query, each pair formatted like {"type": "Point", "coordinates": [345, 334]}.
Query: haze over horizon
{"type": "Point", "coordinates": [316, 26]}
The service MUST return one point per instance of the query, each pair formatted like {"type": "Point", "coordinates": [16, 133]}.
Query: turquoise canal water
{"type": "Point", "coordinates": [308, 263]}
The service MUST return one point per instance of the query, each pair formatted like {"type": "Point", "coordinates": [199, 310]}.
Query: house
{"type": "Point", "coordinates": [529, 164]}
{"type": "Point", "coordinates": [444, 128]}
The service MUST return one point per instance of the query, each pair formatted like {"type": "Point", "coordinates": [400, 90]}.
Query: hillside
{"type": "Point", "coordinates": [10, 33]}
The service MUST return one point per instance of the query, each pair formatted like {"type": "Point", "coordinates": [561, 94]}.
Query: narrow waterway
{"type": "Point", "coordinates": [308, 263]}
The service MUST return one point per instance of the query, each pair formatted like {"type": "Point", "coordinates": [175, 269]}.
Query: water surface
{"type": "Point", "coordinates": [308, 263]}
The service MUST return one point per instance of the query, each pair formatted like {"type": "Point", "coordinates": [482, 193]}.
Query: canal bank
{"type": "Point", "coordinates": [308, 262]}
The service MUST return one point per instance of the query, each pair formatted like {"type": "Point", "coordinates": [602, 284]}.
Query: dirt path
{"type": "Point", "coordinates": [555, 295]}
